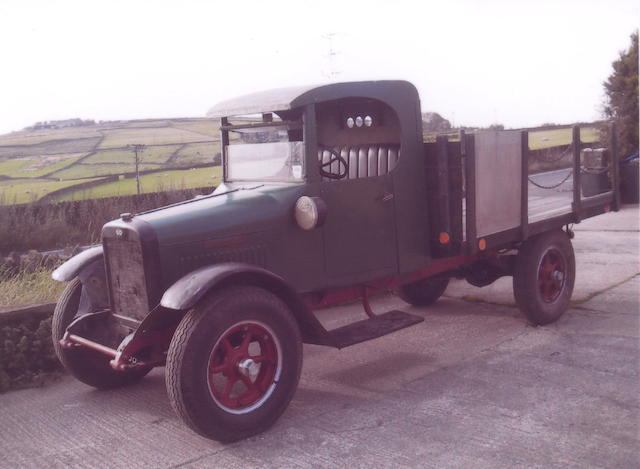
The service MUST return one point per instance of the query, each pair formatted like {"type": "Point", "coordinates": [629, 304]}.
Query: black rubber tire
{"type": "Point", "coordinates": [86, 365]}
{"type": "Point", "coordinates": [526, 288]}
{"type": "Point", "coordinates": [424, 292]}
{"type": "Point", "coordinates": [193, 342]}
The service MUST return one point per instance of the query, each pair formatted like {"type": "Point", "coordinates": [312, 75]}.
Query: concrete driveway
{"type": "Point", "coordinates": [472, 386]}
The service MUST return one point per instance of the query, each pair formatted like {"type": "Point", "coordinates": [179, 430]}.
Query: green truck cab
{"type": "Point", "coordinates": [330, 194]}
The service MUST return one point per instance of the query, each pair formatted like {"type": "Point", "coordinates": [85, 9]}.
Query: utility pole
{"type": "Point", "coordinates": [332, 73]}
{"type": "Point", "coordinates": [137, 150]}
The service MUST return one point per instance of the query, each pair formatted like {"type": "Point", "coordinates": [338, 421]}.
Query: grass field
{"type": "Point", "coordinates": [156, 154]}
{"type": "Point", "coordinates": [12, 167]}
{"type": "Point", "coordinates": [149, 136]}
{"type": "Point", "coordinates": [197, 153]}
{"type": "Point", "coordinates": [539, 139]}
{"type": "Point", "coordinates": [22, 191]}
{"type": "Point", "coordinates": [52, 148]}
{"type": "Point", "coordinates": [36, 167]}
{"type": "Point", "coordinates": [29, 288]}
{"type": "Point", "coordinates": [81, 171]}
{"type": "Point", "coordinates": [556, 137]}
{"type": "Point", "coordinates": [171, 145]}
{"type": "Point", "coordinates": [148, 123]}
{"type": "Point", "coordinates": [35, 137]}
{"type": "Point", "coordinates": [206, 127]}
{"type": "Point", "coordinates": [154, 182]}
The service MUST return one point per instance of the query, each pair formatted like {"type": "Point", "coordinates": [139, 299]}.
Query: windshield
{"type": "Point", "coordinates": [264, 153]}
{"type": "Point", "coordinates": [278, 161]}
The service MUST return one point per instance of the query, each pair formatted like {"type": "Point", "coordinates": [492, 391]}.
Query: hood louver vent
{"type": "Point", "coordinates": [254, 255]}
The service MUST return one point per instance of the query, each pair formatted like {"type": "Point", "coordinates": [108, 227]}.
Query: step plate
{"type": "Point", "coordinates": [372, 328]}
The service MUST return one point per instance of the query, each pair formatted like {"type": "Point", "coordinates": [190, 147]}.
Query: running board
{"type": "Point", "coordinates": [372, 328]}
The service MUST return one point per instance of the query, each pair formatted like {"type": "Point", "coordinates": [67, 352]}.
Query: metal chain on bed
{"type": "Point", "coordinates": [551, 160]}
{"type": "Point", "coordinates": [582, 171]}
{"type": "Point", "coordinates": [553, 186]}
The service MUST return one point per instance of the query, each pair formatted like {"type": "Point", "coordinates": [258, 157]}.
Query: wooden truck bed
{"type": "Point", "coordinates": [482, 196]}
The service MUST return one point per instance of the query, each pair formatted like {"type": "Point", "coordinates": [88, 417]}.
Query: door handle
{"type": "Point", "coordinates": [387, 196]}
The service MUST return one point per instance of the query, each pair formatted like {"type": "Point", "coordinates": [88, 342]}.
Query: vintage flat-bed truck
{"type": "Point", "coordinates": [330, 194]}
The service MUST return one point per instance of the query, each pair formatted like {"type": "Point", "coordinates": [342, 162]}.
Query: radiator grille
{"type": "Point", "coordinates": [126, 278]}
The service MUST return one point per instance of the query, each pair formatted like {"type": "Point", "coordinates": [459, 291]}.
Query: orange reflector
{"type": "Point", "coordinates": [482, 244]}
{"type": "Point", "coordinates": [444, 237]}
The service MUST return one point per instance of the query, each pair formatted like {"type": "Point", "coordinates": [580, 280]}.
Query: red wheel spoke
{"type": "Point", "coordinates": [261, 359]}
{"type": "Point", "coordinates": [549, 290]}
{"type": "Point", "coordinates": [227, 345]}
{"type": "Point", "coordinates": [265, 360]}
{"type": "Point", "coordinates": [551, 274]}
{"type": "Point", "coordinates": [244, 346]}
{"type": "Point", "coordinates": [219, 368]}
{"type": "Point", "coordinates": [251, 386]}
{"type": "Point", "coordinates": [231, 361]}
{"type": "Point", "coordinates": [543, 290]}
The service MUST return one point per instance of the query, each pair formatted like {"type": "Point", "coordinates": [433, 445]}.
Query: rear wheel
{"type": "Point", "coordinates": [544, 277]}
{"type": "Point", "coordinates": [423, 292]}
{"type": "Point", "coordinates": [234, 363]}
{"type": "Point", "coordinates": [86, 365]}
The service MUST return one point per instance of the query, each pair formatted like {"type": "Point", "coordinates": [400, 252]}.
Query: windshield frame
{"type": "Point", "coordinates": [226, 127]}
{"type": "Point", "coordinates": [294, 147]}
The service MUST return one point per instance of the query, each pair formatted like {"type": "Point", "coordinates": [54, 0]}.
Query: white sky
{"type": "Point", "coordinates": [520, 63]}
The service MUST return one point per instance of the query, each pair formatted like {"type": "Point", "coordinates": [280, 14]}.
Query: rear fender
{"type": "Point", "coordinates": [187, 291]}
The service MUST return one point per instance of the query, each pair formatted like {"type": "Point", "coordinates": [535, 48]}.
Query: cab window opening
{"type": "Point", "coordinates": [357, 138]}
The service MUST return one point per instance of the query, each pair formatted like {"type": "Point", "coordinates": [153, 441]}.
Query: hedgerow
{"type": "Point", "coordinates": [26, 353]}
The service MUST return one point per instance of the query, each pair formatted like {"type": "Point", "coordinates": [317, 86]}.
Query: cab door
{"type": "Point", "coordinates": [359, 231]}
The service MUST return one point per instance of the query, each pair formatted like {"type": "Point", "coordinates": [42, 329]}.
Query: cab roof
{"type": "Point", "coordinates": [393, 92]}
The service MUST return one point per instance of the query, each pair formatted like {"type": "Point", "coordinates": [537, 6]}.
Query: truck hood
{"type": "Point", "coordinates": [227, 212]}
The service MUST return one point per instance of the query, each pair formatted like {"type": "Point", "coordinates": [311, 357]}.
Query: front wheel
{"type": "Point", "coordinates": [544, 276]}
{"type": "Point", "coordinates": [84, 364]}
{"type": "Point", "coordinates": [234, 363]}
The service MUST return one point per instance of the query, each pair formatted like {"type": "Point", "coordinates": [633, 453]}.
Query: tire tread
{"type": "Point", "coordinates": [525, 277]}
{"type": "Point", "coordinates": [183, 391]}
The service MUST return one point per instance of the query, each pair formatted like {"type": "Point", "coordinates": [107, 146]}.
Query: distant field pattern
{"type": "Point", "coordinates": [154, 182]}
{"type": "Point", "coordinates": [552, 138]}
{"type": "Point", "coordinates": [22, 191]}
{"type": "Point", "coordinates": [36, 167]}
{"type": "Point", "coordinates": [206, 128]}
{"type": "Point", "coordinates": [196, 153]}
{"type": "Point", "coordinates": [149, 136]}
{"type": "Point", "coordinates": [157, 154]}
{"type": "Point", "coordinates": [79, 171]}
{"type": "Point", "coordinates": [35, 163]}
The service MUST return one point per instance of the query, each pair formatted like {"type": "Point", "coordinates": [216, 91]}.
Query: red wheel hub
{"type": "Point", "coordinates": [551, 275]}
{"type": "Point", "coordinates": [243, 366]}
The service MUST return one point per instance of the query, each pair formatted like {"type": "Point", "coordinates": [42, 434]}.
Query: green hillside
{"type": "Point", "coordinates": [34, 163]}
{"type": "Point", "coordinates": [178, 154]}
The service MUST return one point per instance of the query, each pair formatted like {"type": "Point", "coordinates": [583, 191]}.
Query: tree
{"type": "Point", "coordinates": [434, 122]}
{"type": "Point", "coordinates": [621, 89]}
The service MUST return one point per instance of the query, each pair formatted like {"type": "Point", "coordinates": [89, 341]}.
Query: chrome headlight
{"type": "Point", "coordinates": [310, 212]}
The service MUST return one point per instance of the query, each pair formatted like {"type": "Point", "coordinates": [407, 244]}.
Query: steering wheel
{"type": "Point", "coordinates": [343, 167]}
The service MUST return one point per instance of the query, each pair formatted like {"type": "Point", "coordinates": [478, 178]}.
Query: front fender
{"type": "Point", "coordinates": [188, 290]}
{"type": "Point", "coordinates": [70, 269]}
